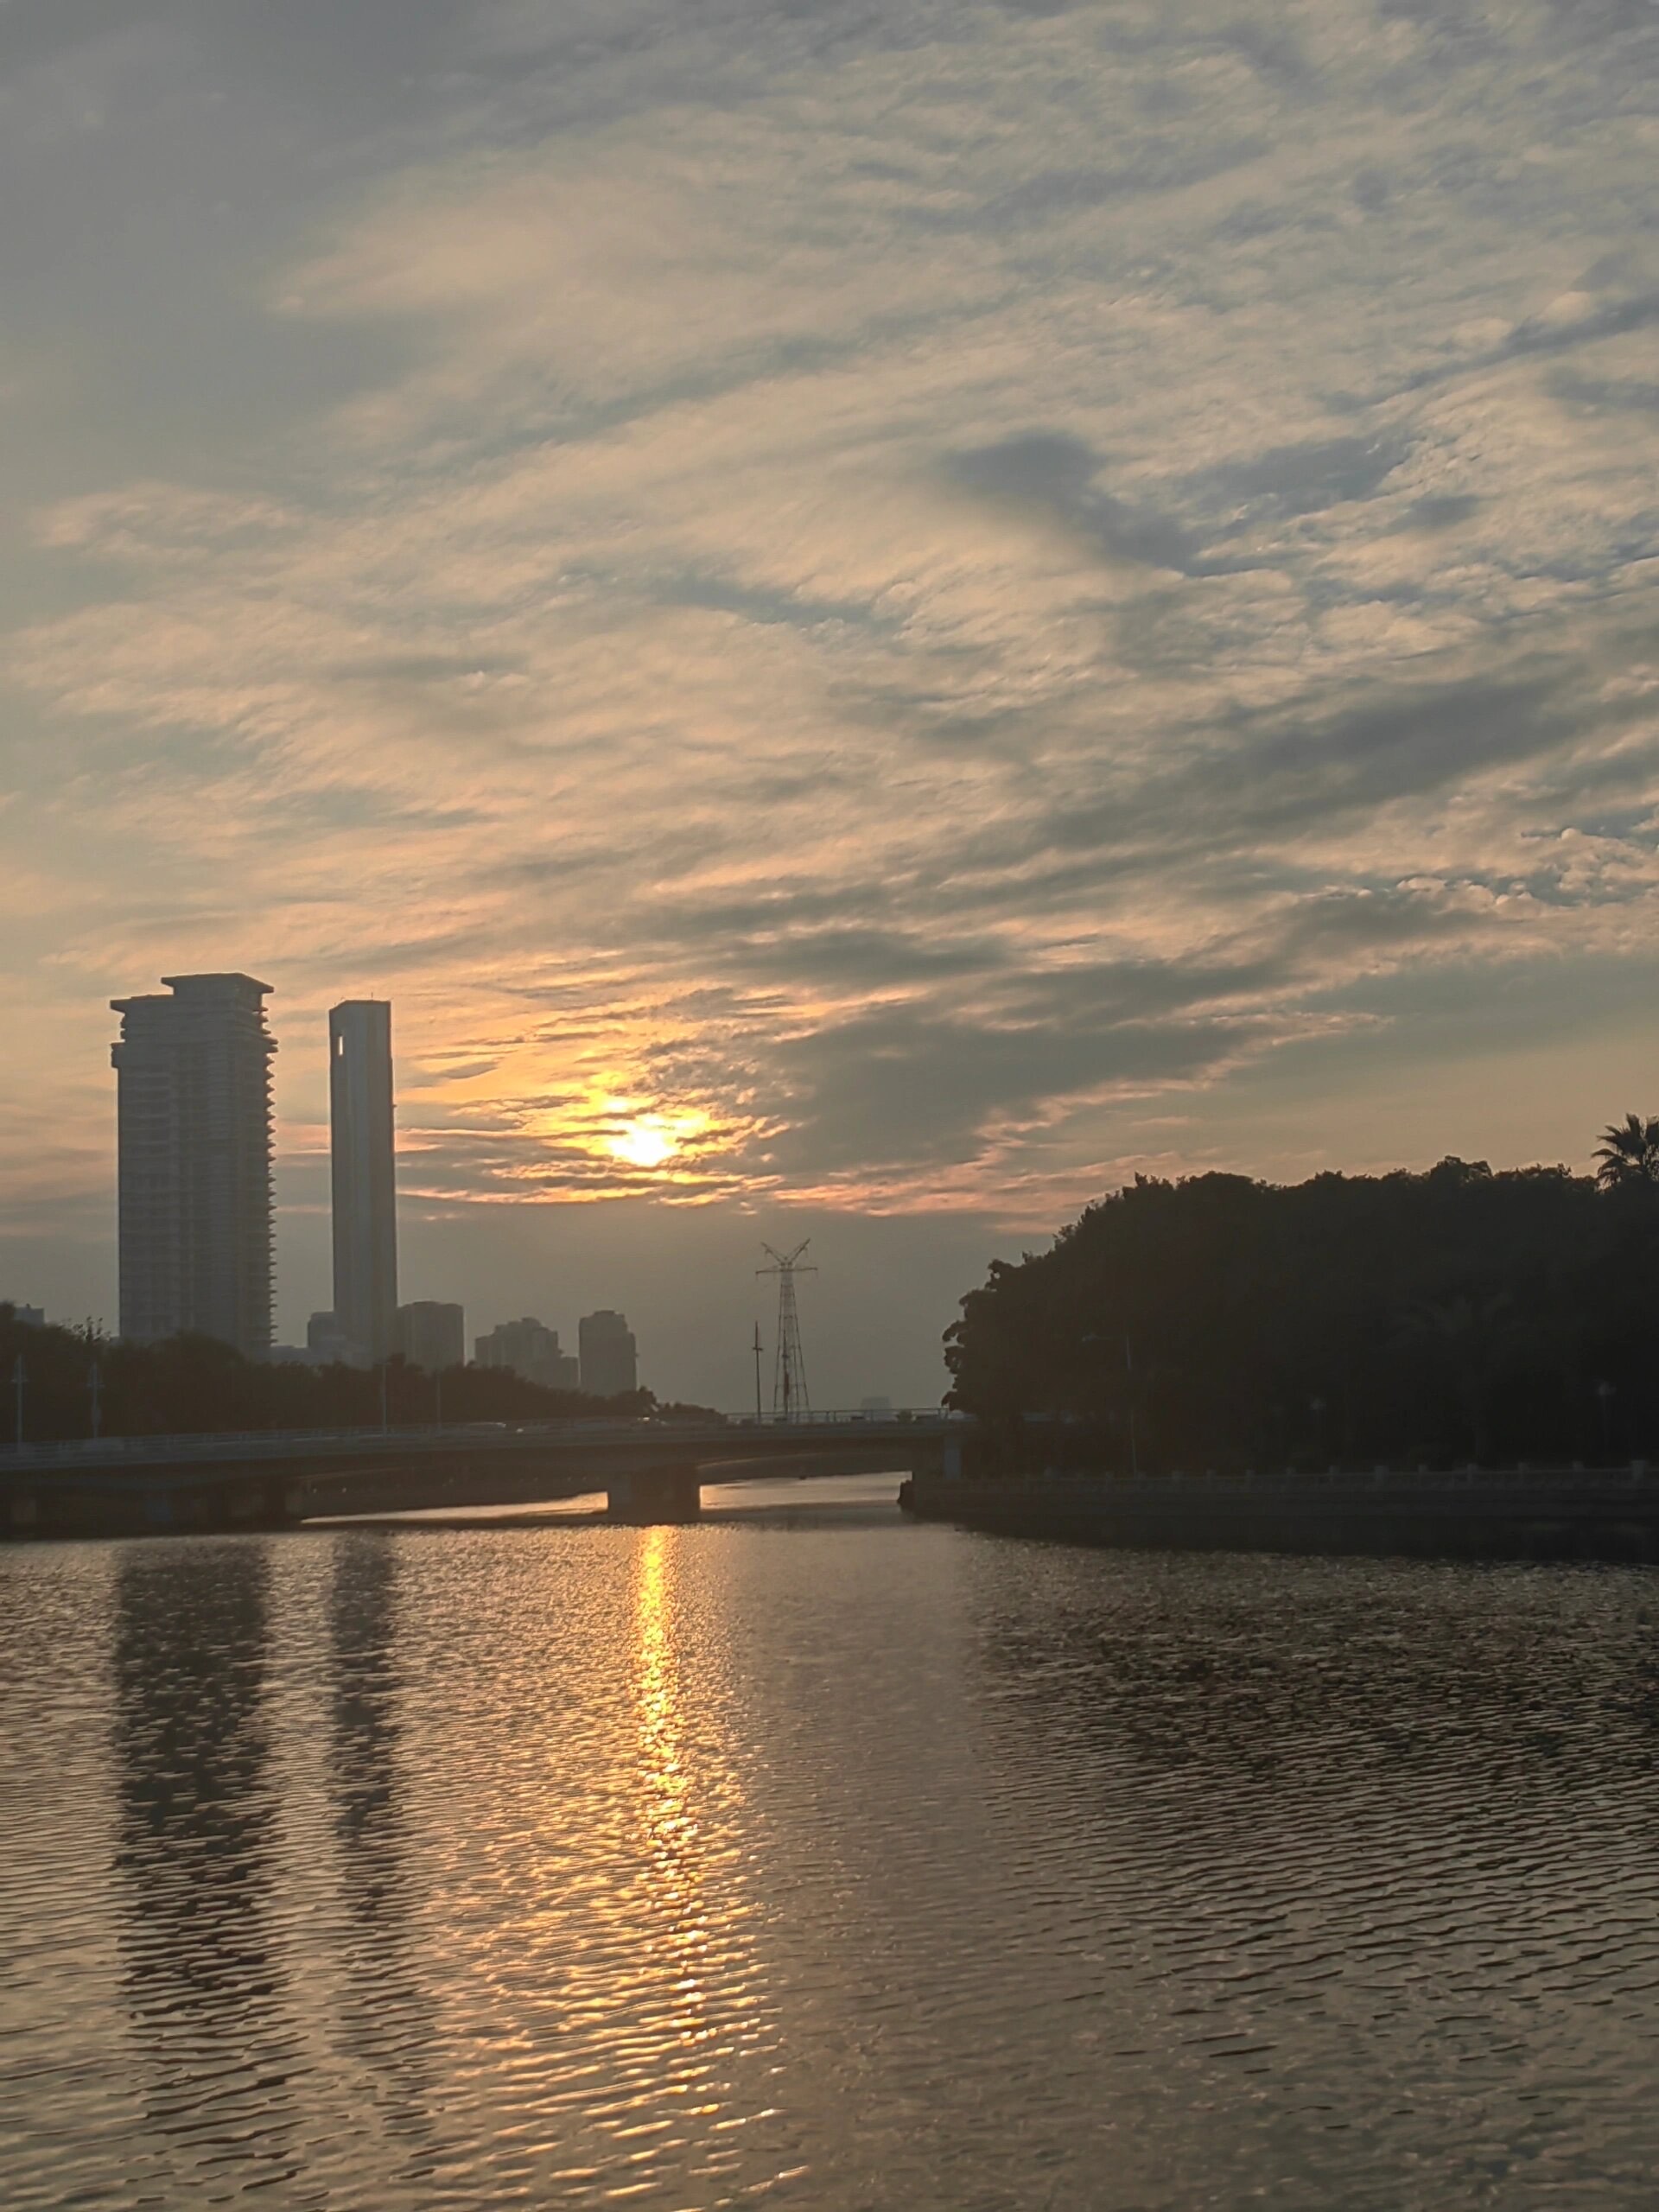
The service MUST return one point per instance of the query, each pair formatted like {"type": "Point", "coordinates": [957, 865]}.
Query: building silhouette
{"type": "Point", "coordinates": [530, 1349]}
{"type": "Point", "coordinates": [432, 1335]}
{"type": "Point", "coordinates": [610, 1364]}
{"type": "Point", "coordinates": [364, 1177]}
{"type": "Point", "coordinates": [193, 1119]}
{"type": "Point", "coordinates": [327, 1344]}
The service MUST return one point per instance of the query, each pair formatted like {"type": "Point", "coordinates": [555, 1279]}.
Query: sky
{"type": "Point", "coordinates": [872, 618]}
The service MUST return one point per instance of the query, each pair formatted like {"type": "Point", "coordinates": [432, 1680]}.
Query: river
{"type": "Point", "coordinates": [812, 1857]}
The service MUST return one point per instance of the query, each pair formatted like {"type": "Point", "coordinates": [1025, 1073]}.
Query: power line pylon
{"type": "Point", "coordinates": [789, 1398]}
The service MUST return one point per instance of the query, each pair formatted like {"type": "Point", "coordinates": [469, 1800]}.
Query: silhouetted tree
{"type": "Point", "coordinates": [1628, 1153]}
{"type": "Point", "coordinates": [192, 1384]}
{"type": "Point", "coordinates": [1438, 1317]}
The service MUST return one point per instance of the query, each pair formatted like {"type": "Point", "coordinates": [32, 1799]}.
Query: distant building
{"type": "Point", "coordinates": [32, 1317]}
{"type": "Point", "coordinates": [432, 1335]}
{"type": "Point", "coordinates": [327, 1344]}
{"type": "Point", "coordinates": [530, 1349]}
{"type": "Point", "coordinates": [610, 1362]}
{"type": "Point", "coordinates": [194, 1113]}
{"type": "Point", "coordinates": [365, 1176]}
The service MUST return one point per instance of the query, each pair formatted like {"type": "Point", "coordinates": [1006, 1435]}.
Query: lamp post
{"type": "Point", "coordinates": [1605, 1394]}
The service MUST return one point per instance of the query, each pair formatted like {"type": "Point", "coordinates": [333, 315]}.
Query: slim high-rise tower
{"type": "Point", "coordinates": [364, 1177]}
{"type": "Point", "coordinates": [193, 1114]}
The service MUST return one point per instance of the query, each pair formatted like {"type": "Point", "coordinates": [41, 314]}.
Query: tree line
{"type": "Point", "coordinates": [1452, 1317]}
{"type": "Point", "coordinates": [191, 1385]}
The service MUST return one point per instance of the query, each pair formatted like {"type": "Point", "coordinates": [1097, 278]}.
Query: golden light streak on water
{"type": "Point", "coordinates": [671, 1836]}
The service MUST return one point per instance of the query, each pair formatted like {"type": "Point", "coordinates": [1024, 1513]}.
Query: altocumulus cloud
{"type": "Point", "coordinates": [909, 590]}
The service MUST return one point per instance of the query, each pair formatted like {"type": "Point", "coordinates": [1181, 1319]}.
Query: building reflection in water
{"type": "Point", "coordinates": [362, 1774]}
{"type": "Point", "coordinates": [196, 1854]}
{"type": "Point", "coordinates": [385, 2017]}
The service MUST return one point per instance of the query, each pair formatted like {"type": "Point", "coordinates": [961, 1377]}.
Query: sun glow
{"type": "Point", "coordinates": [652, 1140]}
{"type": "Point", "coordinates": [605, 1133]}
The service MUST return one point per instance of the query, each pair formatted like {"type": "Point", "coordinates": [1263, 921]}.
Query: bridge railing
{"type": "Point", "coordinates": [138, 1451]}
{"type": "Point", "coordinates": [842, 1417]}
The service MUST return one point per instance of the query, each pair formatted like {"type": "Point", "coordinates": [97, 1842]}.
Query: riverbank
{"type": "Point", "coordinates": [1550, 1514]}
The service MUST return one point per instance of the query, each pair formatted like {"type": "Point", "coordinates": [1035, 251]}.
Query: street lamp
{"type": "Point", "coordinates": [1606, 1392]}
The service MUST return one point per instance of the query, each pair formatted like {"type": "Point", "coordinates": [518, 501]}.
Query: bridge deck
{"type": "Point", "coordinates": [742, 1435]}
{"type": "Point", "coordinates": [121, 1486]}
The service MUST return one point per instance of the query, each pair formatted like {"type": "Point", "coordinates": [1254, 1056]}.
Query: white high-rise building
{"type": "Point", "coordinates": [194, 1110]}
{"type": "Point", "coordinates": [364, 1177]}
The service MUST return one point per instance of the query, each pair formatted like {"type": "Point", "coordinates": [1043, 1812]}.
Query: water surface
{"type": "Point", "coordinates": [810, 1856]}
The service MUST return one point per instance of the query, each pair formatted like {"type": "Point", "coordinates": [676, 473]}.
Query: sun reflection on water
{"type": "Point", "coordinates": [686, 1797]}
{"type": "Point", "coordinates": [670, 1825]}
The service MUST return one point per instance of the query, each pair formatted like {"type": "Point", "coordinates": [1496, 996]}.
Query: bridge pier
{"type": "Point", "coordinates": [655, 1494]}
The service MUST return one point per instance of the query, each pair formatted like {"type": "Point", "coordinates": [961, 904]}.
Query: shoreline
{"type": "Point", "coordinates": [1610, 1515]}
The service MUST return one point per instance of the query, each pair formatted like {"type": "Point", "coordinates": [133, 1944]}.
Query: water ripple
{"type": "Point", "coordinates": [828, 1860]}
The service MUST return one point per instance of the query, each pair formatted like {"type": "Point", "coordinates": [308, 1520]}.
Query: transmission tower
{"type": "Point", "coordinates": [789, 1398]}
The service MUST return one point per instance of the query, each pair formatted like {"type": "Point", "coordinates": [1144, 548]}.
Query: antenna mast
{"type": "Point", "coordinates": [789, 1398]}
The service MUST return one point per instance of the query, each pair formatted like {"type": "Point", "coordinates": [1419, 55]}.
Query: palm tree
{"type": "Point", "coordinates": [1628, 1153]}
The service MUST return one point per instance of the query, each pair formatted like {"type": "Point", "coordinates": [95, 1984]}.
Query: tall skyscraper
{"type": "Point", "coordinates": [193, 1117]}
{"type": "Point", "coordinates": [609, 1357]}
{"type": "Point", "coordinates": [364, 1177]}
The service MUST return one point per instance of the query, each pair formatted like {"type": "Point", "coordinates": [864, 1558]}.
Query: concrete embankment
{"type": "Point", "coordinates": [1548, 1515]}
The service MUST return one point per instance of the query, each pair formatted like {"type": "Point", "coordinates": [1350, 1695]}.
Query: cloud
{"type": "Point", "coordinates": [1054, 473]}
{"type": "Point", "coordinates": [311, 46]}
{"type": "Point", "coordinates": [910, 591]}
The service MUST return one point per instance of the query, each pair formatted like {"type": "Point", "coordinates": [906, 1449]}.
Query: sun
{"type": "Point", "coordinates": [661, 1137]}
{"type": "Point", "coordinates": [644, 1144]}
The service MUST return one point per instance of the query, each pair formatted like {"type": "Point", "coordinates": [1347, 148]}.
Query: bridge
{"type": "Point", "coordinates": [650, 1470]}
